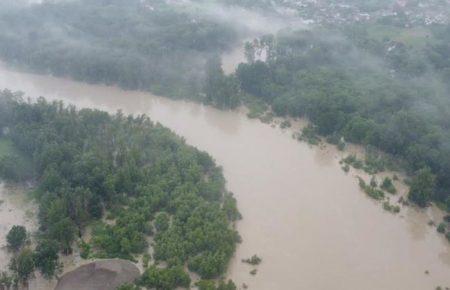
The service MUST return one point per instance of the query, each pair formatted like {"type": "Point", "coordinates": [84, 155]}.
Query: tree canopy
{"type": "Point", "coordinates": [16, 237]}
{"type": "Point", "coordinates": [135, 173]}
{"type": "Point", "coordinates": [349, 89]}
{"type": "Point", "coordinates": [145, 45]}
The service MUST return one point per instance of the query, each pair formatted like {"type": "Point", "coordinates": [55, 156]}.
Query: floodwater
{"type": "Point", "coordinates": [306, 218]}
{"type": "Point", "coordinates": [15, 209]}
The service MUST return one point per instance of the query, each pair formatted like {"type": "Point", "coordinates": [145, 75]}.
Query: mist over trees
{"type": "Point", "coordinates": [146, 45]}
{"type": "Point", "coordinates": [396, 101]}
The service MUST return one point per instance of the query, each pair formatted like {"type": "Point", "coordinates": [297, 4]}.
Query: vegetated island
{"type": "Point", "coordinates": [129, 180]}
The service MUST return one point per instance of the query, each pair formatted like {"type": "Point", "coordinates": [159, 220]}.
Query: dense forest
{"type": "Point", "coordinates": [383, 93]}
{"type": "Point", "coordinates": [382, 83]}
{"type": "Point", "coordinates": [146, 45]}
{"type": "Point", "coordinates": [126, 178]}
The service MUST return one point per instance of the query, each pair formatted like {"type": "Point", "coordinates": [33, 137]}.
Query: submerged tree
{"type": "Point", "coordinates": [16, 237]}
{"type": "Point", "coordinates": [221, 90]}
{"type": "Point", "coordinates": [422, 187]}
{"type": "Point", "coordinates": [46, 258]}
{"type": "Point", "coordinates": [23, 265]}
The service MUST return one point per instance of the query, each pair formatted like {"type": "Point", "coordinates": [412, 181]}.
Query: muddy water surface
{"type": "Point", "coordinates": [16, 208]}
{"type": "Point", "coordinates": [303, 215]}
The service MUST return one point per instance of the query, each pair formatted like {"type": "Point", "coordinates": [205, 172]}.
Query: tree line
{"type": "Point", "coordinates": [343, 95]}
{"type": "Point", "coordinates": [141, 45]}
{"type": "Point", "coordinates": [395, 101]}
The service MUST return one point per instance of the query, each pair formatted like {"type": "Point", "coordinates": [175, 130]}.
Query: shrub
{"type": "Point", "coordinates": [285, 124]}
{"type": "Point", "coordinates": [370, 191]}
{"type": "Point", "coordinates": [310, 135]}
{"type": "Point", "coordinates": [346, 168]}
{"type": "Point", "coordinates": [374, 163]}
{"type": "Point", "coordinates": [373, 182]}
{"type": "Point", "coordinates": [253, 260]}
{"type": "Point", "coordinates": [422, 187]}
{"type": "Point", "coordinates": [353, 161]}
{"type": "Point", "coordinates": [388, 185]}
{"type": "Point", "coordinates": [23, 265]}
{"type": "Point", "coordinates": [85, 250]}
{"type": "Point", "coordinates": [391, 208]}
{"type": "Point", "coordinates": [447, 218]}
{"type": "Point", "coordinates": [441, 228]}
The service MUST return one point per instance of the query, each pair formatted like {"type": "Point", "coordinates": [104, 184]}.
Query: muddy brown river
{"type": "Point", "coordinates": [305, 217]}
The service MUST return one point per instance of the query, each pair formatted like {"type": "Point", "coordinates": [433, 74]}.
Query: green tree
{"type": "Point", "coordinates": [13, 168]}
{"type": "Point", "coordinates": [441, 228]}
{"type": "Point", "coordinates": [422, 187]}
{"type": "Point", "coordinates": [16, 237]}
{"type": "Point", "coordinates": [23, 265]}
{"type": "Point", "coordinates": [226, 286]}
{"type": "Point", "coordinates": [256, 79]}
{"type": "Point", "coordinates": [63, 231]}
{"type": "Point", "coordinates": [46, 258]}
{"type": "Point", "coordinates": [162, 221]}
{"type": "Point", "coordinates": [388, 185]}
{"type": "Point", "coordinates": [95, 208]}
{"type": "Point", "coordinates": [165, 279]}
{"type": "Point", "coordinates": [221, 90]}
